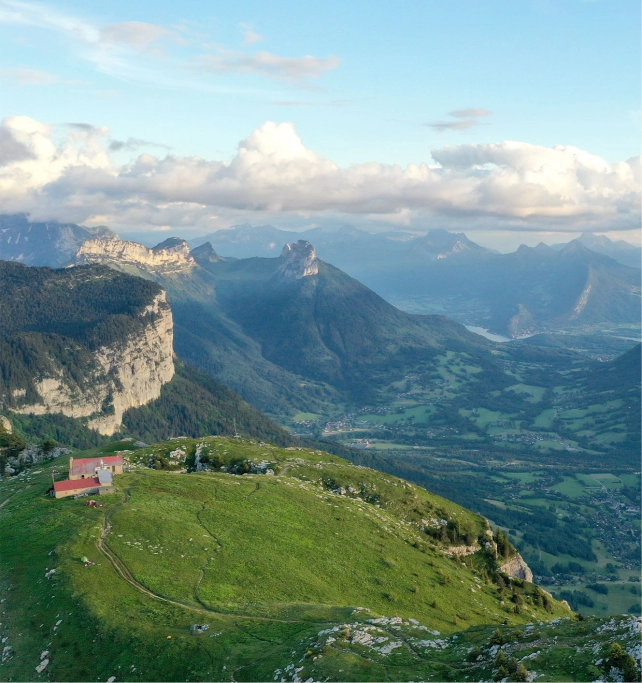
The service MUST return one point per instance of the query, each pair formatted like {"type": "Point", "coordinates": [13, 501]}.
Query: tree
{"type": "Point", "coordinates": [496, 638]}
{"type": "Point", "coordinates": [48, 445]}
{"type": "Point", "coordinates": [521, 673]}
{"type": "Point", "coordinates": [501, 674]}
{"type": "Point", "coordinates": [618, 658]}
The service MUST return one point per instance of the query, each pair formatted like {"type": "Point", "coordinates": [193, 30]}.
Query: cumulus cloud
{"type": "Point", "coordinates": [274, 174]}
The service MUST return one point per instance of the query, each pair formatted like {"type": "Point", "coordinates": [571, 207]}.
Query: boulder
{"type": "Point", "coordinates": [517, 569]}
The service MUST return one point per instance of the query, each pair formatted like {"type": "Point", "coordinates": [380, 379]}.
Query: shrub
{"type": "Point", "coordinates": [48, 445]}
{"type": "Point", "coordinates": [520, 674]}
{"type": "Point", "coordinates": [473, 654]}
{"type": "Point", "coordinates": [501, 659]}
{"type": "Point", "coordinates": [501, 674]}
{"type": "Point", "coordinates": [619, 658]}
{"type": "Point", "coordinates": [13, 443]}
{"type": "Point", "coordinates": [497, 638]}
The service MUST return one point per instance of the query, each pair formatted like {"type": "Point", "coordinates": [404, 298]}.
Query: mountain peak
{"type": "Point", "coordinates": [299, 261]}
{"type": "Point", "coordinates": [206, 252]}
{"type": "Point", "coordinates": [173, 244]}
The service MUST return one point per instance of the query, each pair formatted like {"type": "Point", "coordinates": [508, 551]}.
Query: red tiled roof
{"type": "Point", "coordinates": [71, 485]}
{"type": "Point", "coordinates": [89, 465]}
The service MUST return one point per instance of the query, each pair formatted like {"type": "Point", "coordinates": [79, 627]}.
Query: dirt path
{"type": "Point", "coordinates": [6, 501]}
{"type": "Point", "coordinates": [125, 574]}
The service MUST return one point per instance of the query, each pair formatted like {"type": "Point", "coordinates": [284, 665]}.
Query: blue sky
{"type": "Point", "coordinates": [361, 82]}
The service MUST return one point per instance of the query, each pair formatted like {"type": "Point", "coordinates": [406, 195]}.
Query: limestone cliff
{"type": "Point", "coordinates": [126, 374]}
{"type": "Point", "coordinates": [171, 256]}
{"type": "Point", "coordinates": [517, 568]}
{"type": "Point", "coordinates": [299, 261]}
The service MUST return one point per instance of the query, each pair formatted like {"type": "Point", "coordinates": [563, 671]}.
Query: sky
{"type": "Point", "coordinates": [514, 120]}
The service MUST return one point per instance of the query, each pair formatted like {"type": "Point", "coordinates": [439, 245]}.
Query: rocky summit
{"type": "Point", "coordinates": [299, 261]}
{"type": "Point", "coordinates": [172, 255]}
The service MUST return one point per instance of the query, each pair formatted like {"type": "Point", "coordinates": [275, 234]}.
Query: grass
{"type": "Point", "coordinates": [304, 417]}
{"type": "Point", "coordinates": [618, 600]}
{"type": "Point", "coordinates": [570, 487]}
{"type": "Point", "coordinates": [269, 561]}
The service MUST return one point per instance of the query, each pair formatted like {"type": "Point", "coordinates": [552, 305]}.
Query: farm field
{"type": "Point", "coordinates": [540, 417]}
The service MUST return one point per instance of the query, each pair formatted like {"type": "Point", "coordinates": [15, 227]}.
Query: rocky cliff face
{"type": "Point", "coordinates": [170, 256]}
{"type": "Point", "coordinates": [127, 374]}
{"type": "Point", "coordinates": [299, 261]}
{"type": "Point", "coordinates": [517, 569]}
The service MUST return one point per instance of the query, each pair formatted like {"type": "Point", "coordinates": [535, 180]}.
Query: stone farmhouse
{"type": "Point", "coordinates": [89, 476]}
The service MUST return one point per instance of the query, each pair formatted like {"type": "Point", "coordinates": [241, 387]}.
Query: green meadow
{"type": "Point", "coordinates": [314, 567]}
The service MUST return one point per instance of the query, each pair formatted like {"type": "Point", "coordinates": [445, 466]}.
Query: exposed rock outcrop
{"type": "Point", "coordinates": [299, 261]}
{"type": "Point", "coordinates": [517, 569]}
{"type": "Point", "coordinates": [172, 255]}
{"type": "Point", "coordinates": [32, 455]}
{"type": "Point", "coordinates": [462, 550]}
{"type": "Point", "coordinates": [127, 374]}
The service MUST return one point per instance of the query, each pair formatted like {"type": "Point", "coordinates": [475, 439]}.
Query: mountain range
{"type": "Point", "coordinates": [533, 289]}
{"type": "Point", "coordinates": [623, 252]}
{"type": "Point", "coordinates": [588, 282]}
{"type": "Point", "coordinates": [288, 332]}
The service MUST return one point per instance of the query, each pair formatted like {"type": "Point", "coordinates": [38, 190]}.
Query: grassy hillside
{"type": "Point", "coordinates": [330, 327]}
{"type": "Point", "coordinates": [323, 565]}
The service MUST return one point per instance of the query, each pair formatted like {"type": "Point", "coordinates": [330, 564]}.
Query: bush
{"type": "Point", "coordinates": [520, 674]}
{"type": "Point", "coordinates": [619, 658]}
{"type": "Point", "coordinates": [497, 638]}
{"type": "Point", "coordinates": [13, 443]}
{"type": "Point", "coordinates": [501, 674]}
{"type": "Point", "coordinates": [473, 654]}
{"type": "Point", "coordinates": [48, 445]}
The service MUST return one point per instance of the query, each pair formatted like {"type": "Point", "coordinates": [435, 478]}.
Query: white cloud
{"type": "Point", "coordinates": [273, 174]}
{"type": "Point", "coordinates": [132, 50]}
{"type": "Point", "coordinates": [266, 64]}
{"type": "Point", "coordinates": [250, 36]}
{"type": "Point", "coordinates": [24, 76]}
{"type": "Point", "coordinates": [134, 34]}
{"type": "Point", "coordinates": [470, 113]}
{"type": "Point", "coordinates": [465, 119]}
